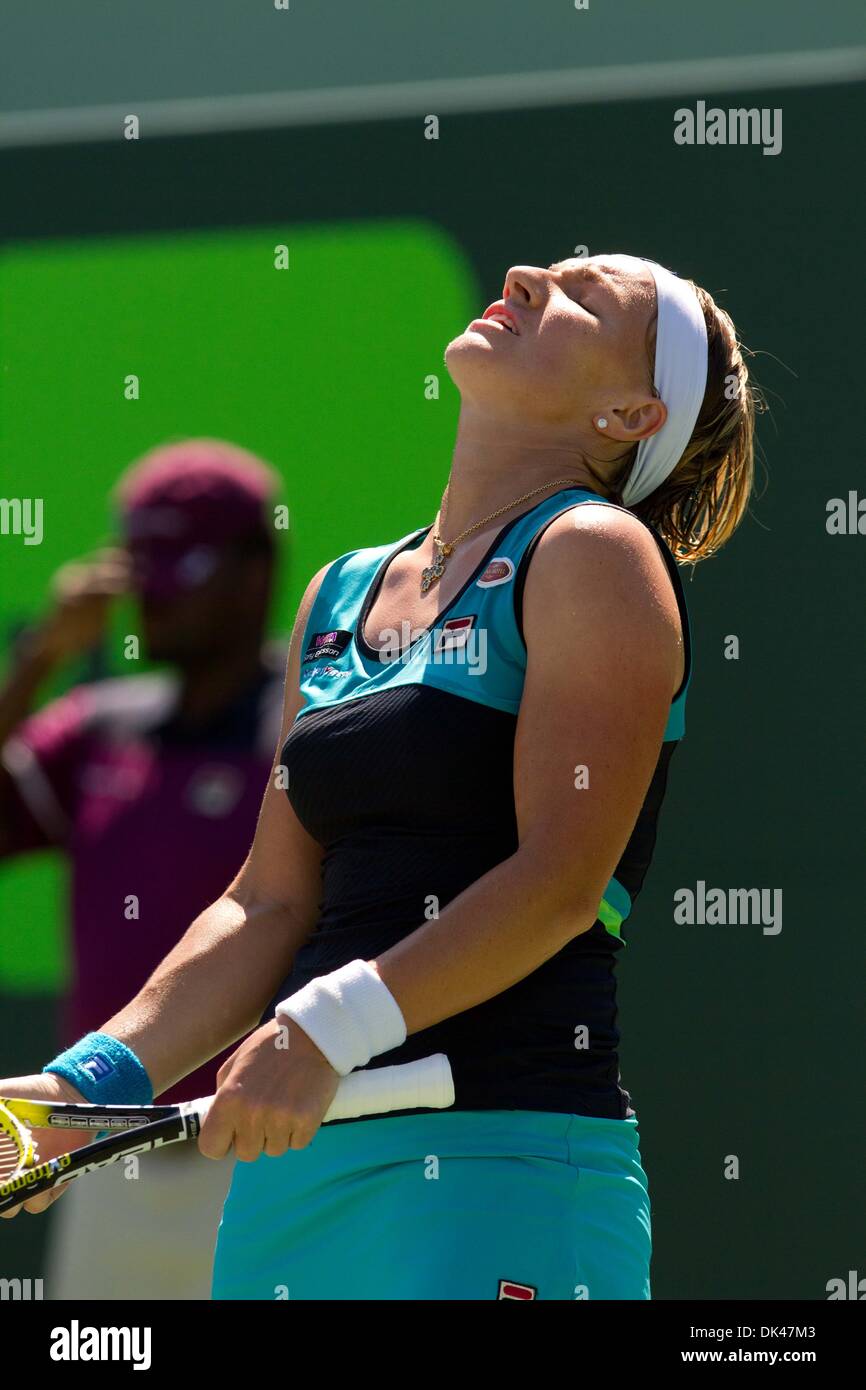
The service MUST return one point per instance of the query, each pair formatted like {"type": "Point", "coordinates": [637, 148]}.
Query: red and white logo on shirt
{"type": "Point", "coordinates": [499, 571]}
{"type": "Point", "coordinates": [508, 1289]}
{"type": "Point", "coordinates": [454, 634]}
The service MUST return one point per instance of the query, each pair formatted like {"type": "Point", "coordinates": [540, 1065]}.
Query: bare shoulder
{"type": "Point", "coordinates": [292, 694]}
{"type": "Point", "coordinates": [598, 574]}
{"type": "Point", "coordinates": [595, 543]}
{"type": "Point", "coordinates": [305, 607]}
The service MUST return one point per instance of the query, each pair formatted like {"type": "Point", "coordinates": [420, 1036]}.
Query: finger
{"type": "Point", "coordinates": [35, 1205]}
{"type": "Point", "coordinates": [110, 564]}
{"type": "Point", "coordinates": [76, 591]}
{"type": "Point", "coordinates": [112, 555]}
{"type": "Point", "coordinates": [217, 1132]}
{"type": "Point", "coordinates": [278, 1142]}
{"type": "Point", "coordinates": [118, 569]}
{"type": "Point", "coordinates": [45, 1199]}
{"type": "Point", "coordinates": [249, 1144]}
{"type": "Point", "coordinates": [94, 584]}
{"type": "Point", "coordinates": [77, 581]}
{"type": "Point", "coordinates": [303, 1132]}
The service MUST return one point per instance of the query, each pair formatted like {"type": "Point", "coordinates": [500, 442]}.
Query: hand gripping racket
{"type": "Point", "coordinates": [426, 1084]}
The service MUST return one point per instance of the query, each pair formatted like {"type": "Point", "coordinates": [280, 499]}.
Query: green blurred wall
{"type": "Point", "coordinates": [734, 1042]}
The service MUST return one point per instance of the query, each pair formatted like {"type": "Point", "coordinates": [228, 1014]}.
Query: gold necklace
{"type": "Point", "coordinates": [433, 573]}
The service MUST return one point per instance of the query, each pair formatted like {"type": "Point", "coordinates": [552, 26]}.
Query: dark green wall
{"type": "Point", "coordinates": [735, 1043]}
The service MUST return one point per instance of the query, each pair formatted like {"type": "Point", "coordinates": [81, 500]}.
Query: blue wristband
{"type": "Point", "coordinates": [105, 1071]}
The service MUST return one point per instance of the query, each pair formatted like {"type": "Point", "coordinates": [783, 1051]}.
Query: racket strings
{"type": "Point", "coordinates": [17, 1149]}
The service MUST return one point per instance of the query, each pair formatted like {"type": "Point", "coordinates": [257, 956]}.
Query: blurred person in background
{"type": "Point", "coordinates": [151, 784]}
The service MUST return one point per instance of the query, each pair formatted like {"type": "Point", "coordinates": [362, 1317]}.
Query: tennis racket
{"type": "Point", "coordinates": [136, 1129]}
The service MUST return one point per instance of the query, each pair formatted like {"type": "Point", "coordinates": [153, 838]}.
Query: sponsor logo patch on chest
{"type": "Point", "coordinates": [454, 633]}
{"type": "Point", "coordinates": [499, 571]}
{"type": "Point", "coordinates": [327, 644]}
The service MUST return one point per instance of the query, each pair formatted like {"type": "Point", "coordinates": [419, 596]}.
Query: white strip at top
{"type": "Point", "coordinates": [329, 105]}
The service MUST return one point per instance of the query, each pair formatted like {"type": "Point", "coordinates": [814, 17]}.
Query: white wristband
{"type": "Point", "coordinates": [351, 1015]}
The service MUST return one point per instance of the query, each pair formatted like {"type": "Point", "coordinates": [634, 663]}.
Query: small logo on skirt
{"type": "Point", "coordinates": [508, 1289]}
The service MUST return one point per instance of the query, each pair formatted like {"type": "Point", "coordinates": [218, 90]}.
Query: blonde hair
{"type": "Point", "coordinates": [699, 507]}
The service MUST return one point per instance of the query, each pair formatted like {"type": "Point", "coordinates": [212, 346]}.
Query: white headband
{"type": "Point", "coordinates": [680, 378]}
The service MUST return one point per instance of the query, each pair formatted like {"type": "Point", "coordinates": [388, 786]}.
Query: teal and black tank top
{"type": "Point", "coordinates": [402, 770]}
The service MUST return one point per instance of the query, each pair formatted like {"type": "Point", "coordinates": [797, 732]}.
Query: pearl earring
{"type": "Point", "coordinates": [602, 423]}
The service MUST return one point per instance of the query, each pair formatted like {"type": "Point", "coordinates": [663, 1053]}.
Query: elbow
{"type": "Point", "coordinates": [565, 894]}
{"type": "Point", "coordinates": [562, 912]}
{"type": "Point", "coordinates": [571, 920]}
{"type": "Point", "coordinates": [563, 909]}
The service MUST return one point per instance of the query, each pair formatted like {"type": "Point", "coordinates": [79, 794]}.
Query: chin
{"type": "Point", "coordinates": [457, 345]}
{"type": "Point", "coordinates": [469, 360]}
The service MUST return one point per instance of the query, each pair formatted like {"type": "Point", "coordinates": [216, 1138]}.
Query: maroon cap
{"type": "Point", "coordinates": [181, 504]}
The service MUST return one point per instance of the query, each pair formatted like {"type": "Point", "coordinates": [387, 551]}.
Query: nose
{"type": "Point", "coordinates": [527, 284]}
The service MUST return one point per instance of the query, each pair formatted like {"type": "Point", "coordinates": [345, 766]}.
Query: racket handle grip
{"type": "Point", "coordinates": [423, 1085]}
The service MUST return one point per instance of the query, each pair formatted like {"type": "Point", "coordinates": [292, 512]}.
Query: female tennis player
{"type": "Point", "coordinates": [478, 723]}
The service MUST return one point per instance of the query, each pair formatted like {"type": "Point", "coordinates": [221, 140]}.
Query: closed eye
{"type": "Point", "coordinates": [590, 279]}
{"type": "Point", "coordinates": [585, 307]}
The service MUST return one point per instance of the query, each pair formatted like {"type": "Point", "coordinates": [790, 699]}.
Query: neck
{"type": "Point", "coordinates": [490, 469]}
{"type": "Point", "coordinates": [212, 684]}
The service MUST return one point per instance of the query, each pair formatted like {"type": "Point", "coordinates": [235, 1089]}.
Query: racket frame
{"type": "Point", "coordinates": [180, 1122]}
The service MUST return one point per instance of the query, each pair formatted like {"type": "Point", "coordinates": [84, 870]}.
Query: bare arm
{"type": "Point", "coordinates": [211, 988]}
{"type": "Point", "coordinates": [604, 657]}
{"type": "Point", "coordinates": [81, 596]}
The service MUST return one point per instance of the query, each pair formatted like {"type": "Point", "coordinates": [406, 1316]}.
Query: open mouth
{"type": "Point", "coordinates": [497, 313]}
{"type": "Point", "coordinates": [501, 319]}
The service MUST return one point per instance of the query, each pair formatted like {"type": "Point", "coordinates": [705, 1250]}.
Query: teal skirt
{"type": "Point", "coordinates": [449, 1204]}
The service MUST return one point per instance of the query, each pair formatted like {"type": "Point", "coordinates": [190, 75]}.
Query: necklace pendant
{"type": "Point", "coordinates": [432, 574]}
